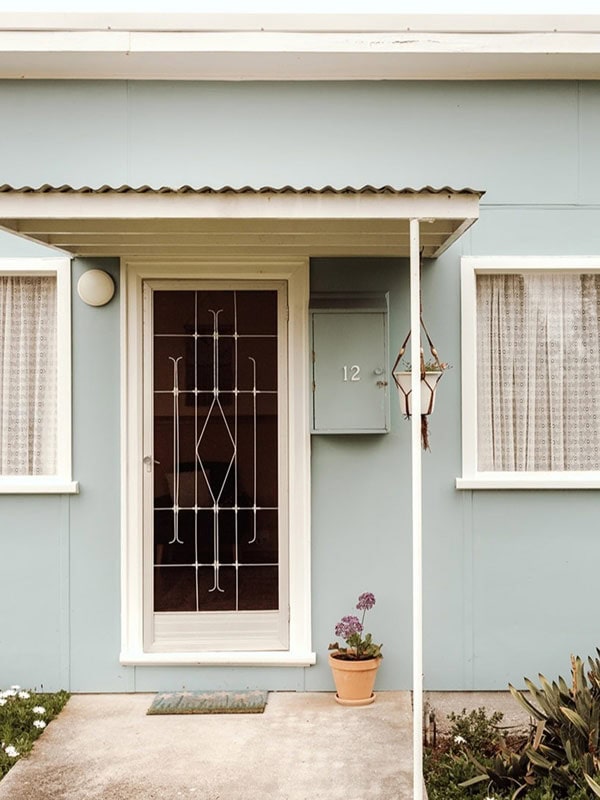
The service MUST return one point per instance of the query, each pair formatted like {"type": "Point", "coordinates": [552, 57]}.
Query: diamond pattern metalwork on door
{"type": "Point", "coordinates": [216, 516]}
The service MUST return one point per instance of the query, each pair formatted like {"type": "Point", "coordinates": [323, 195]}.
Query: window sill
{"type": "Point", "coordinates": [530, 480]}
{"type": "Point", "coordinates": [43, 484]}
{"type": "Point", "coordinates": [232, 659]}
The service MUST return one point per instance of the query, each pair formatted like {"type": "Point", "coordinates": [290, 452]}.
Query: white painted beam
{"type": "Point", "coordinates": [417, 502]}
{"type": "Point", "coordinates": [358, 47]}
{"type": "Point", "coordinates": [238, 239]}
{"type": "Point", "coordinates": [254, 227]}
{"type": "Point", "coordinates": [349, 250]}
{"type": "Point", "coordinates": [189, 43]}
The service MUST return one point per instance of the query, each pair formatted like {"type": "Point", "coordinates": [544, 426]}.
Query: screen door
{"type": "Point", "coordinates": [214, 470]}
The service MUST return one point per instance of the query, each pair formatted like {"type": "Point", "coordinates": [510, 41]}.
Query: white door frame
{"type": "Point", "coordinates": [295, 272]}
{"type": "Point", "coordinates": [216, 630]}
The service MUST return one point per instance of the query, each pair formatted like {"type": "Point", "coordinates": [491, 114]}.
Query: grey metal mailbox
{"type": "Point", "coordinates": [350, 363]}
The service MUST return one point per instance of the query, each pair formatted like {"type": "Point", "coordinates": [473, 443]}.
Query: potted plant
{"type": "Point", "coordinates": [355, 666]}
{"type": "Point", "coordinates": [431, 372]}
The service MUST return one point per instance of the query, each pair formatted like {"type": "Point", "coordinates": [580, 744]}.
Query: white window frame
{"type": "Point", "coordinates": [295, 272]}
{"type": "Point", "coordinates": [61, 482]}
{"type": "Point", "coordinates": [472, 478]}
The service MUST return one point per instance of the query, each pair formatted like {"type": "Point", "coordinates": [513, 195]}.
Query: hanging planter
{"type": "Point", "coordinates": [431, 374]}
{"type": "Point", "coordinates": [429, 381]}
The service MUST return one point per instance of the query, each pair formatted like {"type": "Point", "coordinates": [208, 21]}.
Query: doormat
{"type": "Point", "coordinates": [242, 702]}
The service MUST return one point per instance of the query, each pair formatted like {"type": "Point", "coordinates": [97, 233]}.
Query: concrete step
{"type": "Point", "coordinates": [304, 747]}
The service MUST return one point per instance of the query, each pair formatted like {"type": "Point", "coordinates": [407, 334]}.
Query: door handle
{"type": "Point", "coordinates": [148, 462]}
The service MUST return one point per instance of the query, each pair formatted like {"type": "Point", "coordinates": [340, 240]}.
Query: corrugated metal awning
{"type": "Point", "coordinates": [188, 221]}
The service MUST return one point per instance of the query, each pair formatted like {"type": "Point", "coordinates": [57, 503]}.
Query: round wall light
{"type": "Point", "coordinates": [96, 287]}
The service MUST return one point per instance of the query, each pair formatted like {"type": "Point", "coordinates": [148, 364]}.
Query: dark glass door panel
{"type": "Point", "coordinates": [215, 383]}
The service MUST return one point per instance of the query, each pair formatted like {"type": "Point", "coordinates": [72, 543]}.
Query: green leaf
{"type": "Point", "coordinates": [575, 720]}
{"type": "Point", "coordinates": [595, 787]}
{"type": "Point", "coordinates": [478, 764]}
{"type": "Point", "coordinates": [529, 707]}
{"type": "Point", "coordinates": [473, 781]}
{"type": "Point", "coordinates": [539, 730]}
{"type": "Point", "coordinates": [536, 758]}
{"type": "Point", "coordinates": [569, 752]}
{"type": "Point", "coordinates": [564, 689]}
{"type": "Point", "coordinates": [524, 787]}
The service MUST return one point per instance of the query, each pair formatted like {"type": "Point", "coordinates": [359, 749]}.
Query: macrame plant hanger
{"type": "Point", "coordinates": [429, 380]}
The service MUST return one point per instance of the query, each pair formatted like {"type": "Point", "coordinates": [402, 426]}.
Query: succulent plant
{"type": "Point", "coordinates": [563, 749]}
{"type": "Point", "coordinates": [567, 740]}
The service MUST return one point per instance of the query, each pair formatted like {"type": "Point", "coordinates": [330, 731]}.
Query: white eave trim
{"type": "Point", "coordinates": [317, 23]}
{"type": "Point", "coordinates": [299, 47]}
{"type": "Point", "coordinates": [108, 221]}
{"type": "Point", "coordinates": [233, 205]}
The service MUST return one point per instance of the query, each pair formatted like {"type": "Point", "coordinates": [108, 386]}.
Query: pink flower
{"type": "Point", "coordinates": [366, 601]}
{"type": "Point", "coordinates": [348, 627]}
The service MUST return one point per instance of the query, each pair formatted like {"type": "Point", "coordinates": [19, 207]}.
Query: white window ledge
{"type": "Point", "coordinates": [232, 659]}
{"type": "Point", "coordinates": [33, 484]}
{"type": "Point", "coordinates": [530, 480]}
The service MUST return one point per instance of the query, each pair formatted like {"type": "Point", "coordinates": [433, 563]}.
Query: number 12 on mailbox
{"type": "Point", "coordinates": [349, 363]}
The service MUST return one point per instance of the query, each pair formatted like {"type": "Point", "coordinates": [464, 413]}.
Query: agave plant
{"type": "Point", "coordinates": [507, 771]}
{"type": "Point", "coordinates": [566, 746]}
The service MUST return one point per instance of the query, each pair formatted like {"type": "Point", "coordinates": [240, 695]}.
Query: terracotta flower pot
{"type": "Point", "coordinates": [354, 680]}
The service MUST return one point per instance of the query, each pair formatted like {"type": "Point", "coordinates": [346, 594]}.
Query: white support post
{"type": "Point", "coordinates": [417, 548]}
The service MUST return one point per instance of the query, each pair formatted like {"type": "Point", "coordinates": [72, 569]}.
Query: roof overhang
{"type": "Point", "coordinates": [205, 221]}
{"type": "Point", "coordinates": [299, 46]}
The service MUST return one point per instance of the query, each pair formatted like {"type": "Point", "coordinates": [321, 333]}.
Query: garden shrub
{"type": "Point", "coordinates": [23, 717]}
{"type": "Point", "coordinates": [558, 760]}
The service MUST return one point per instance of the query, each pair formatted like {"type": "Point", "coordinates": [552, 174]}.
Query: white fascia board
{"type": "Point", "coordinates": [48, 205]}
{"type": "Point", "coordinates": [231, 54]}
{"type": "Point", "coordinates": [235, 66]}
{"type": "Point", "coordinates": [410, 43]}
{"type": "Point", "coordinates": [318, 23]}
{"type": "Point", "coordinates": [131, 43]}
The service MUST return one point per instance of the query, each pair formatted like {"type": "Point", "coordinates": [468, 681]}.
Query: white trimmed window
{"type": "Point", "coordinates": [531, 372]}
{"type": "Point", "coordinates": [35, 376]}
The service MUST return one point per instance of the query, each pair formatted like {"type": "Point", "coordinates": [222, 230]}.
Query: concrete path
{"type": "Point", "coordinates": [442, 703]}
{"type": "Point", "coordinates": [304, 747]}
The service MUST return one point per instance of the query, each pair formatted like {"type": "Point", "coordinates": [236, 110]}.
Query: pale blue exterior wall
{"type": "Point", "coordinates": [508, 574]}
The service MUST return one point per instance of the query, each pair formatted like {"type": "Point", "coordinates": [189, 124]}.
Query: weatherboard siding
{"type": "Point", "coordinates": [506, 573]}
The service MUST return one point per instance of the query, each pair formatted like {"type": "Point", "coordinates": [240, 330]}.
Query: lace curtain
{"type": "Point", "coordinates": [28, 405]}
{"type": "Point", "coordinates": [538, 372]}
